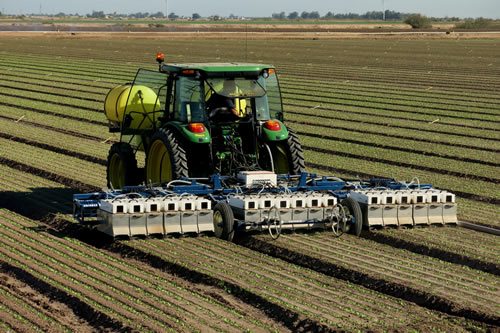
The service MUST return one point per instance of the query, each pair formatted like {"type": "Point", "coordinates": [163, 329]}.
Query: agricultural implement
{"type": "Point", "coordinates": [218, 158]}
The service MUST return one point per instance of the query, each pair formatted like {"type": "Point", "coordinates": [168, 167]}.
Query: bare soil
{"type": "Point", "coordinates": [321, 35]}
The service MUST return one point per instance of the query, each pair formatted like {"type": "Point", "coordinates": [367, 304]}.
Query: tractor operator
{"type": "Point", "coordinates": [222, 107]}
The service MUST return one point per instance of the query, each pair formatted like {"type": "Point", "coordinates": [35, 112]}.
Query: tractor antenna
{"type": "Point", "coordinates": [166, 9]}
{"type": "Point", "coordinates": [383, 10]}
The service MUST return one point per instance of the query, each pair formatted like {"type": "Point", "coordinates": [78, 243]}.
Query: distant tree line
{"type": "Point", "coordinates": [415, 20]}
{"type": "Point", "coordinates": [371, 15]}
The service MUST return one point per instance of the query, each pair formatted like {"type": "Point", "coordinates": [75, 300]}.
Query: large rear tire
{"type": "Point", "coordinates": [166, 159]}
{"type": "Point", "coordinates": [223, 221]}
{"type": "Point", "coordinates": [352, 209]}
{"type": "Point", "coordinates": [288, 156]}
{"type": "Point", "coordinates": [122, 166]}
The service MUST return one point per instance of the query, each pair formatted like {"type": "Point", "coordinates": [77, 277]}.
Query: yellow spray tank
{"type": "Point", "coordinates": [138, 102]}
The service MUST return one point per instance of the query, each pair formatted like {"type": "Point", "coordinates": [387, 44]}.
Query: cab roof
{"type": "Point", "coordinates": [219, 67]}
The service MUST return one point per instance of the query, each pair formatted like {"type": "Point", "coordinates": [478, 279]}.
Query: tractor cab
{"type": "Point", "coordinates": [194, 120]}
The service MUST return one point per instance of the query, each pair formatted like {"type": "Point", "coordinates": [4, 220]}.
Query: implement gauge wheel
{"type": "Point", "coordinates": [122, 166]}
{"type": "Point", "coordinates": [166, 159]}
{"type": "Point", "coordinates": [288, 156]}
{"type": "Point", "coordinates": [223, 221]}
{"type": "Point", "coordinates": [352, 210]}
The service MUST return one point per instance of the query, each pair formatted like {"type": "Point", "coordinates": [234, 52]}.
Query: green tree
{"type": "Point", "coordinates": [418, 21]}
{"type": "Point", "coordinates": [196, 16]}
{"type": "Point", "coordinates": [293, 15]}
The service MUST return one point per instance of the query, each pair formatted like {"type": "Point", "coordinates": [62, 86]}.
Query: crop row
{"type": "Point", "coordinates": [55, 122]}
{"type": "Point", "coordinates": [452, 283]}
{"type": "Point", "coordinates": [387, 155]}
{"type": "Point", "coordinates": [50, 63]}
{"type": "Point", "coordinates": [177, 301]}
{"type": "Point", "coordinates": [400, 129]}
{"type": "Point", "coordinates": [66, 166]}
{"type": "Point", "coordinates": [55, 139]}
{"type": "Point", "coordinates": [392, 112]}
{"type": "Point", "coordinates": [326, 299]}
{"type": "Point", "coordinates": [365, 167]}
{"type": "Point", "coordinates": [392, 142]}
{"type": "Point", "coordinates": [358, 87]}
{"type": "Point", "coordinates": [460, 241]}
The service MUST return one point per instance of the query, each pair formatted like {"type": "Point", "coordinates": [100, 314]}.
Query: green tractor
{"type": "Point", "coordinates": [196, 120]}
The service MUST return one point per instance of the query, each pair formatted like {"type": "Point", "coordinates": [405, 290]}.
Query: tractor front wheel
{"type": "Point", "coordinates": [122, 166]}
{"type": "Point", "coordinates": [166, 159]}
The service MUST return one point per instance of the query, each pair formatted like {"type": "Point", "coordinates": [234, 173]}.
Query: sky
{"type": "Point", "coordinates": [256, 8]}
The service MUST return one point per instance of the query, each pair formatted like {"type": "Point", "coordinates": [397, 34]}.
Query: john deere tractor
{"type": "Point", "coordinates": [195, 120]}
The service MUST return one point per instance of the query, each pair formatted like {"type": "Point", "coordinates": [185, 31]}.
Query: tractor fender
{"type": "Point", "coordinates": [272, 133]}
{"type": "Point", "coordinates": [184, 133]}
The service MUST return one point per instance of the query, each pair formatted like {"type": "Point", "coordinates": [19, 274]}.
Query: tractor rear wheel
{"type": "Point", "coordinates": [288, 156]}
{"type": "Point", "coordinates": [352, 209]}
{"type": "Point", "coordinates": [223, 221]}
{"type": "Point", "coordinates": [122, 166]}
{"type": "Point", "coordinates": [166, 159]}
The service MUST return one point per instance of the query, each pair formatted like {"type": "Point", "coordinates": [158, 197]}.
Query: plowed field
{"type": "Point", "coordinates": [385, 108]}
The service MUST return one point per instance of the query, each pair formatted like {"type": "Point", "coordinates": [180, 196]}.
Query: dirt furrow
{"type": "Point", "coordinates": [97, 290]}
{"type": "Point", "coordinates": [284, 286]}
{"type": "Point", "coordinates": [278, 315]}
{"type": "Point", "coordinates": [434, 248]}
{"type": "Point", "coordinates": [24, 89]}
{"type": "Point", "coordinates": [38, 308]}
{"type": "Point", "coordinates": [41, 281]}
{"type": "Point", "coordinates": [11, 321]}
{"type": "Point", "coordinates": [422, 268]}
{"type": "Point", "coordinates": [29, 318]}
{"type": "Point", "coordinates": [245, 281]}
{"type": "Point", "coordinates": [288, 318]}
{"type": "Point", "coordinates": [346, 297]}
{"type": "Point", "coordinates": [399, 290]}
